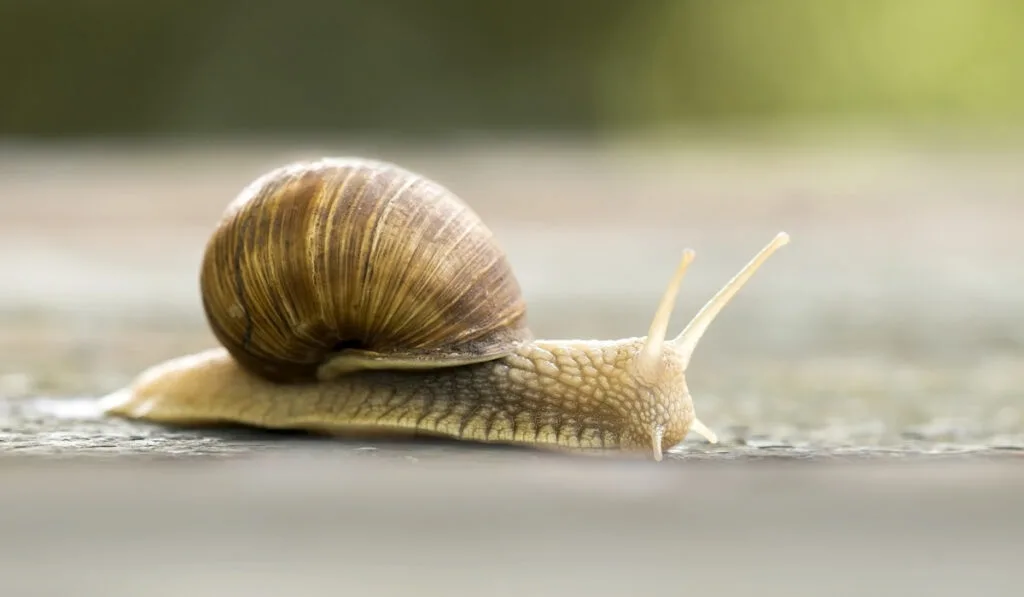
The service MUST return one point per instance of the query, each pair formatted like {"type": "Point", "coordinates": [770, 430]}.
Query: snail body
{"type": "Point", "coordinates": [353, 296]}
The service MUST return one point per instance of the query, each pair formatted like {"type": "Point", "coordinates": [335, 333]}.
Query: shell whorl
{"type": "Point", "coordinates": [317, 259]}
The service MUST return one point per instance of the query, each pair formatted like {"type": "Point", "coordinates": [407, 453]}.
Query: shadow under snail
{"type": "Point", "coordinates": [352, 297]}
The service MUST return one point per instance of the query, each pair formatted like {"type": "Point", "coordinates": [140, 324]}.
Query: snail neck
{"type": "Point", "coordinates": [647, 398]}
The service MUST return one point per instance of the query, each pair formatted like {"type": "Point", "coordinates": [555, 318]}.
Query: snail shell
{"type": "Point", "coordinates": [338, 264]}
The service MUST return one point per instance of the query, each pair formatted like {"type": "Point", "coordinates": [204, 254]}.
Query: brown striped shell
{"type": "Point", "coordinates": [321, 267]}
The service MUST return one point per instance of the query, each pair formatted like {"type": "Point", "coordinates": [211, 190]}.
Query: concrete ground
{"type": "Point", "coordinates": [867, 384]}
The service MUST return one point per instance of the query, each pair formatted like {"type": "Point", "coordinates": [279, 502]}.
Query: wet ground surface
{"type": "Point", "coordinates": [868, 386]}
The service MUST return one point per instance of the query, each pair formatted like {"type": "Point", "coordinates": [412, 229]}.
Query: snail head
{"type": "Point", "coordinates": [660, 365]}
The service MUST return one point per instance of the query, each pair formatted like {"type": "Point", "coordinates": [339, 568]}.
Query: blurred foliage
{"type": "Point", "coordinates": [81, 67]}
{"type": "Point", "coordinates": [909, 60]}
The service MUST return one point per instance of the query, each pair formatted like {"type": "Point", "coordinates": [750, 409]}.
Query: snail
{"type": "Point", "coordinates": [352, 296]}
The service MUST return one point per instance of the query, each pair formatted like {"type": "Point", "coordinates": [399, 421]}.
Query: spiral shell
{"type": "Point", "coordinates": [361, 260]}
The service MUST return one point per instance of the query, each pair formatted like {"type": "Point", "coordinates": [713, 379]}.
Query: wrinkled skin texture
{"type": "Point", "coordinates": [577, 395]}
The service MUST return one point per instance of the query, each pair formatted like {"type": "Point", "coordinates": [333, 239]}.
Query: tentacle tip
{"type": "Point", "coordinates": [656, 438]}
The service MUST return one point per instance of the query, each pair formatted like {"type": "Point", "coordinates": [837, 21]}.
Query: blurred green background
{"type": "Point", "coordinates": [424, 67]}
